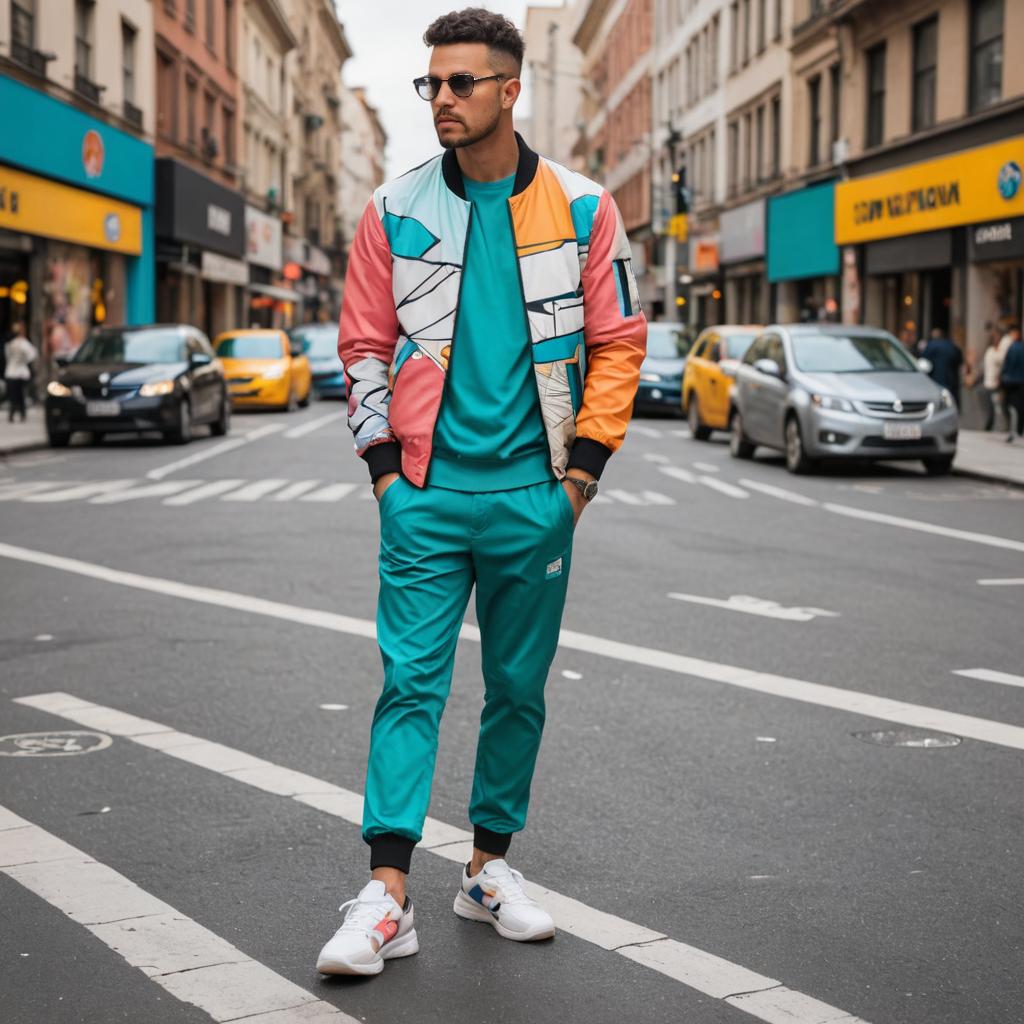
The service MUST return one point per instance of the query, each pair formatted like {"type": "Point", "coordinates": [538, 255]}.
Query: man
{"type": "Point", "coordinates": [1011, 376]}
{"type": "Point", "coordinates": [19, 355]}
{"type": "Point", "coordinates": [492, 339]}
{"type": "Point", "coordinates": [946, 359]}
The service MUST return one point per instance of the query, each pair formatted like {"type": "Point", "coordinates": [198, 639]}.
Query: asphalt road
{"type": "Point", "coordinates": [724, 836]}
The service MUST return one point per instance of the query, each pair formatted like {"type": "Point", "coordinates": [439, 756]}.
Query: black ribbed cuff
{"type": "Point", "coordinates": [589, 456]}
{"type": "Point", "coordinates": [382, 458]}
{"type": "Point", "coordinates": [495, 843]}
{"type": "Point", "coordinates": [390, 850]}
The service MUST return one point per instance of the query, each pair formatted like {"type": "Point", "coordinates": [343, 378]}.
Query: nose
{"type": "Point", "coordinates": [445, 97]}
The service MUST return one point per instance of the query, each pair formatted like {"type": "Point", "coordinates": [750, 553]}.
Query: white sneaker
{"type": "Point", "coordinates": [496, 896]}
{"type": "Point", "coordinates": [375, 929]}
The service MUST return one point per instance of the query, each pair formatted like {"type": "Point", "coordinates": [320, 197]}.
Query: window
{"type": "Point", "coordinates": [746, 32]}
{"type": "Point", "coordinates": [714, 51]}
{"type": "Point", "coordinates": [748, 164]}
{"type": "Point", "coordinates": [778, 20]}
{"type": "Point", "coordinates": [190, 110]}
{"type": "Point", "coordinates": [759, 144]}
{"type": "Point", "coordinates": [229, 33]}
{"type": "Point", "coordinates": [734, 156]}
{"type": "Point", "coordinates": [875, 133]}
{"type": "Point", "coordinates": [925, 55]}
{"type": "Point", "coordinates": [986, 53]}
{"type": "Point", "coordinates": [776, 136]}
{"type": "Point", "coordinates": [834, 87]}
{"type": "Point", "coordinates": [190, 15]}
{"type": "Point", "coordinates": [210, 146]}
{"type": "Point", "coordinates": [83, 38]}
{"type": "Point", "coordinates": [128, 35]}
{"type": "Point", "coordinates": [762, 17]}
{"type": "Point", "coordinates": [228, 120]}
{"type": "Point", "coordinates": [23, 24]}
{"type": "Point", "coordinates": [734, 35]}
{"type": "Point", "coordinates": [814, 112]}
{"type": "Point", "coordinates": [211, 19]}
{"type": "Point", "coordinates": [166, 97]}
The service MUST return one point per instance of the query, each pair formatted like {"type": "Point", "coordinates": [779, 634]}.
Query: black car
{"type": "Point", "coordinates": [163, 377]}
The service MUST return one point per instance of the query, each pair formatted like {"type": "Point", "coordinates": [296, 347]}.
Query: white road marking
{"type": "Point", "coordinates": [720, 485]}
{"type": "Point", "coordinates": [270, 428]}
{"type": "Point", "coordinates": [333, 492]}
{"type": "Point", "coordinates": [201, 456]}
{"type": "Point", "coordinates": [79, 491]}
{"type": "Point", "coordinates": [705, 972]}
{"type": "Point", "coordinates": [914, 524]}
{"type": "Point", "coordinates": [569, 674]}
{"type": "Point", "coordinates": [208, 490]}
{"type": "Point", "coordinates": [866, 705]}
{"type": "Point", "coordinates": [758, 606]}
{"type": "Point", "coordinates": [254, 491]}
{"type": "Point", "coordinates": [148, 491]}
{"type": "Point", "coordinates": [17, 492]}
{"type": "Point", "coordinates": [638, 428]}
{"type": "Point", "coordinates": [295, 490]}
{"type": "Point", "coordinates": [308, 428]}
{"type": "Point", "coordinates": [188, 961]}
{"type": "Point", "coordinates": [706, 467]}
{"type": "Point", "coordinates": [778, 492]}
{"type": "Point", "coordinates": [1009, 581]}
{"type": "Point", "coordinates": [678, 474]}
{"type": "Point", "coordinates": [655, 457]}
{"type": "Point", "coordinates": [657, 498]}
{"type": "Point", "coordinates": [680, 432]}
{"type": "Point", "coordinates": [625, 497]}
{"type": "Point", "coordinates": [334, 707]}
{"type": "Point", "coordinates": [990, 676]}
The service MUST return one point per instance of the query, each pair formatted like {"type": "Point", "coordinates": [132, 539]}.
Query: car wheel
{"type": "Point", "coordinates": [697, 429]}
{"type": "Point", "coordinates": [182, 433]}
{"type": "Point", "coordinates": [739, 446]}
{"type": "Point", "coordinates": [58, 438]}
{"type": "Point", "coordinates": [220, 426]}
{"type": "Point", "coordinates": [304, 402]}
{"type": "Point", "coordinates": [797, 460]}
{"type": "Point", "coordinates": [293, 402]}
{"type": "Point", "coordinates": [941, 465]}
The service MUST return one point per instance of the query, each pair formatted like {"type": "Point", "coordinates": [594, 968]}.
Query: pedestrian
{"type": "Point", "coordinates": [991, 370]}
{"type": "Point", "coordinates": [19, 355]}
{"type": "Point", "coordinates": [946, 359]}
{"type": "Point", "coordinates": [1012, 379]}
{"type": "Point", "coordinates": [491, 374]}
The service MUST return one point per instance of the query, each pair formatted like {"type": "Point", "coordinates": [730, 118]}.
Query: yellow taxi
{"type": "Point", "coordinates": [710, 371]}
{"type": "Point", "coordinates": [264, 368]}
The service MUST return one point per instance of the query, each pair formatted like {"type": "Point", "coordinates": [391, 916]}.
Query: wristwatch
{"type": "Point", "coordinates": [588, 488]}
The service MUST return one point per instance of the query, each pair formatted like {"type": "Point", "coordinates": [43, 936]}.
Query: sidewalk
{"type": "Point", "coordinates": [22, 437]}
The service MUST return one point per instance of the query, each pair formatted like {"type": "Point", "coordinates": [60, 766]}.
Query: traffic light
{"type": "Point", "coordinates": [680, 193]}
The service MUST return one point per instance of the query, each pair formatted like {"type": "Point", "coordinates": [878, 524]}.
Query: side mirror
{"type": "Point", "coordinates": [198, 359]}
{"type": "Point", "coordinates": [62, 361]}
{"type": "Point", "coordinates": [769, 368]}
{"type": "Point", "coordinates": [729, 367]}
{"type": "Point", "coordinates": [295, 351]}
{"type": "Point", "coordinates": [925, 365]}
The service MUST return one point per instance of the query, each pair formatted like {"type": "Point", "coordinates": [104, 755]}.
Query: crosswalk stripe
{"type": "Point", "coordinates": [308, 428]}
{"type": "Point", "coordinates": [295, 490]}
{"type": "Point", "coordinates": [678, 474]}
{"type": "Point", "coordinates": [625, 497]}
{"type": "Point", "coordinates": [656, 498]}
{"type": "Point", "coordinates": [78, 491]}
{"type": "Point", "coordinates": [147, 491]}
{"type": "Point", "coordinates": [18, 492]}
{"type": "Point", "coordinates": [254, 491]}
{"type": "Point", "coordinates": [638, 428]}
{"type": "Point", "coordinates": [188, 961]}
{"type": "Point", "coordinates": [722, 487]}
{"type": "Point", "coordinates": [208, 490]}
{"type": "Point", "coordinates": [989, 675]}
{"type": "Point", "coordinates": [778, 492]}
{"type": "Point", "coordinates": [333, 492]}
{"type": "Point", "coordinates": [693, 967]}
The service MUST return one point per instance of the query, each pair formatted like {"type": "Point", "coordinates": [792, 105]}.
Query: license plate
{"type": "Point", "coordinates": [892, 431]}
{"type": "Point", "coordinates": [103, 408]}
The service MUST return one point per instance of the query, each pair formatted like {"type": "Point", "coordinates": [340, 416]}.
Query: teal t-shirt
{"type": "Point", "coordinates": [489, 434]}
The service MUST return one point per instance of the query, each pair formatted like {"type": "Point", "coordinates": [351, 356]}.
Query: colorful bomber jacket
{"type": "Point", "coordinates": [401, 302]}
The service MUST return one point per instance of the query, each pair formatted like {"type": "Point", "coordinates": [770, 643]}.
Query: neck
{"type": "Point", "coordinates": [493, 158]}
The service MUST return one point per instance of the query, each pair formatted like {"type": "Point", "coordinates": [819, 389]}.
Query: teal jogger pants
{"type": "Point", "coordinates": [435, 545]}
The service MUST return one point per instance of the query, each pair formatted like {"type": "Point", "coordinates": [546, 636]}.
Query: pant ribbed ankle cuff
{"type": "Point", "coordinates": [389, 850]}
{"type": "Point", "coordinates": [496, 843]}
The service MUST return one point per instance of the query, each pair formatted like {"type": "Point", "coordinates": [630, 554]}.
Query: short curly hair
{"type": "Point", "coordinates": [476, 25]}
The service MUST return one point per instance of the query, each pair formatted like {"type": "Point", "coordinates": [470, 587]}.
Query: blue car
{"type": "Point", "coordinates": [661, 375]}
{"type": "Point", "coordinates": [320, 346]}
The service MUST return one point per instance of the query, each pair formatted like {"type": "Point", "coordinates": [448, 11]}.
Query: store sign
{"type": "Point", "coordinates": [704, 254]}
{"type": "Point", "coordinates": [93, 153]}
{"type": "Point", "coordinates": [263, 238]}
{"type": "Point", "coordinates": [194, 210]}
{"type": "Point", "coordinates": [1003, 240]}
{"type": "Point", "coordinates": [35, 206]}
{"type": "Point", "coordinates": [800, 230]}
{"type": "Point", "coordinates": [223, 269]}
{"type": "Point", "coordinates": [971, 187]}
{"type": "Point", "coordinates": [308, 256]}
{"type": "Point", "coordinates": [743, 233]}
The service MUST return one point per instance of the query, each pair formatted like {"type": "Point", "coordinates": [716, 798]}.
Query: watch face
{"type": "Point", "coordinates": [590, 491]}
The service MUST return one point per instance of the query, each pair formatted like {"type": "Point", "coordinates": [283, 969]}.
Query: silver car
{"type": "Point", "coordinates": [833, 391]}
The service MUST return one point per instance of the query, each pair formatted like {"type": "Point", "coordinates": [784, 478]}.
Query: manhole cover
{"type": "Point", "coordinates": [52, 744]}
{"type": "Point", "coordinates": [908, 738]}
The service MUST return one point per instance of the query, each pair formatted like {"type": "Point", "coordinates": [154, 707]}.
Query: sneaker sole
{"type": "Point", "coordinates": [470, 910]}
{"type": "Point", "coordinates": [407, 945]}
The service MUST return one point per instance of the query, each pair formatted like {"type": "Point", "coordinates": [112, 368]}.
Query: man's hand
{"type": "Point", "coordinates": [382, 483]}
{"type": "Point", "coordinates": [579, 503]}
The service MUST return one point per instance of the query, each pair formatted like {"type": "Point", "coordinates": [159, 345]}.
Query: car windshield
{"type": "Point", "coordinates": [736, 345]}
{"type": "Point", "coordinates": [250, 346]}
{"type": "Point", "coordinates": [850, 353]}
{"type": "Point", "coordinates": [147, 345]}
{"type": "Point", "coordinates": [319, 342]}
{"type": "Point", "coordinates": [667, 341]}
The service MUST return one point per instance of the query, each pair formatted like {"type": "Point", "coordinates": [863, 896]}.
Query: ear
{"type": "Point", "coordinates": [510, 91]}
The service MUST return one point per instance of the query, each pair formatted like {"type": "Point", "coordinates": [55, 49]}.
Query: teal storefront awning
{"type": "Point", "coordinates": [801, 234]}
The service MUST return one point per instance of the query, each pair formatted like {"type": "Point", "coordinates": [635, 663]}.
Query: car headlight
{"type": "Point", "coordinates": [651, 378]}
{"type": "Point", "coordinates": [274, 372]}
{"type": "Point", "coordinates": [58, 390]}
{"type": "Point", "coordinates": [156, 387]}
{"type": "Point", "coordinates": [832, 404]}
{"type": "Point", "coordinates": [946, 399]}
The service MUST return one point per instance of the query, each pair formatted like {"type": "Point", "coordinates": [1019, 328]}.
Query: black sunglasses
{"type": "Point", "coordinates": [461, 84]}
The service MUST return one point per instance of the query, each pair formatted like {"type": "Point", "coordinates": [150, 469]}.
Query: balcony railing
{"type": "Point", "coordinates": [87, 88]}
{"type": "Point", "coordinates": [32, 59]}
{"type": "Point", "coordinates": [133, 115]}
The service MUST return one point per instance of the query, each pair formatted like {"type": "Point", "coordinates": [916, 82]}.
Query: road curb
{"type": "Point", "coordinates": [991, 478]}
{"type": "Point", "coordinates": [18, 449]}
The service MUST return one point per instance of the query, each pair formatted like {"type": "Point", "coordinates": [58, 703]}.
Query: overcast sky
{"type": "Point", "coordinates": [387, 39]}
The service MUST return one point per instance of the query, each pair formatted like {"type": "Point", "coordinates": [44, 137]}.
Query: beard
{"type": "Point", "coordinates": [472, 137]}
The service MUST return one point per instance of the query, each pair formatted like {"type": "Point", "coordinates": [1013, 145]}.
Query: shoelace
{"type": "Point", "coordinates": [363, 915]}
{"type": "Point", "coordinates": [510, 883]}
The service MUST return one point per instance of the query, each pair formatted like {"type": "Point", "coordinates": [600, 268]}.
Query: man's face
{"type": "Point", "coordinates": [462, 121]}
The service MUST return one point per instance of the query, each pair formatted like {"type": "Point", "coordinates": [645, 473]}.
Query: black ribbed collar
{"type": "Point", "coordinates": [525, 171]}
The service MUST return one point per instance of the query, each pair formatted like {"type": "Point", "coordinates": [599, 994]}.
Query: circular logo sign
{"type": "Point", "coordinates": [1009, 179]}
{"type": "Point", "coordinates": [92, 153]}
{"type": "Point", "coordinates": [53, 744]}
{"type": "Point", "coordinates": [112, 227]}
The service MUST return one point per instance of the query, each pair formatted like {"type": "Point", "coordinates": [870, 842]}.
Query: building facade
{"type": "Point", "coordinates": [361, 161]}
{"type": "Point", "coordinates": [76, 168]}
